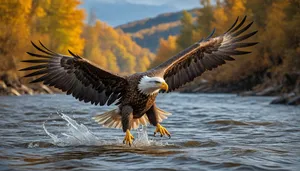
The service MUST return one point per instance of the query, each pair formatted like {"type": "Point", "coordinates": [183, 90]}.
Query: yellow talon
{"type": "Point", "coordinates": [128, 138]}
{"type": "Point", "coordinates": [162, 130]}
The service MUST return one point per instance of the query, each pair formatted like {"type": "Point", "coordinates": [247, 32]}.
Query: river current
{"type": "Point", "coordinates": [209, 132]}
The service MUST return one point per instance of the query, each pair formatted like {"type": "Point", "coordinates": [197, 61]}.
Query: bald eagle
{"type": "Point", "coordinates": [134, 95]}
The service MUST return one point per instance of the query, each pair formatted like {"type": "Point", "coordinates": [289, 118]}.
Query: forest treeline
{"type": "Point", "coordinates": [276, 56]}
{"type": "Point", "coordinates": [61, 25]}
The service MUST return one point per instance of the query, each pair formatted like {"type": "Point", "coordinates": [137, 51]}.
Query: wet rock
{"type": "Point", "coordinates": [201, 88]}
{"type": "Point", "coordinates": [294, 101]}
{"type": "Point", "coordinates": [269, 91]}
{"type": "Point", "coordinates": [247, 93]}
{"type": "Point", "coordinates": [12, 84]}
{"type": "Point", "coordinates": [279, 100]}
{"type": "Point", "coordinates": [288, 99]}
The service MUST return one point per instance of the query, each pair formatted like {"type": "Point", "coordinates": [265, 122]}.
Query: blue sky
{"type": "Point", "coordinates": [179, 4]}
{"type": "Point", "coordinates": [117, 12]}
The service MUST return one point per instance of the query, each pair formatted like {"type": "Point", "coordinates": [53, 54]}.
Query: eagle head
{"type": "Point", "coordinates": [151, 85]}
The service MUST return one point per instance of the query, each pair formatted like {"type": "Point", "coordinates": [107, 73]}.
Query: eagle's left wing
{"type": "Point", "coordinates": [204, 55]}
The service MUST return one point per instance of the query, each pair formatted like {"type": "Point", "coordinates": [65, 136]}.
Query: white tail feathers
{"type": "Point", "coordinates": [161, 115]}
{"type": "Point", "coordinates": [112, 119]}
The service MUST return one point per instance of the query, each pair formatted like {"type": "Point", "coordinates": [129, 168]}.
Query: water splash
{"type": "Point", "coordinates": [75, 134]}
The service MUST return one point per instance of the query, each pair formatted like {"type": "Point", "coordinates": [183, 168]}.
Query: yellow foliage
{"type": "Point", "coordinates": [119, 53]}
{"type": "Point", "coordinates": [59, 24]}
{"type": "Point", "coordinates": [14, 31]}
{"type": "Point", "coordinates": [278, 35]}
{"type": "Point", "coordinates": [237, 8]}
{"type": "Point", "coordinates": [221, 20]}
{"type": "Point", "coordinates": [66, 21]}
{"type": "Point", "coordinates": [167, 48]}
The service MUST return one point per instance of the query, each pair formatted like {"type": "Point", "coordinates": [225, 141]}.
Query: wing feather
{"type": "Point", "coordinates": [205, 55]}
{"type": "Point", "coordinates": [75, 75]}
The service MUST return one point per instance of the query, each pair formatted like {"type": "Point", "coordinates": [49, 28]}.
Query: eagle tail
{"type": "Point", "coordinates": [161, 114]}
{"type": "Point", "coordinates": [112, 119]}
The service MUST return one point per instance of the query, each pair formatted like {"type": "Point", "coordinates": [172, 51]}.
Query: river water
{"type": "Point", "coordinates": [209, 132]}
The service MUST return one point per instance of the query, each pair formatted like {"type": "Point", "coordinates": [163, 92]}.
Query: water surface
{"type": "Point", "coordinates": [209, 132]}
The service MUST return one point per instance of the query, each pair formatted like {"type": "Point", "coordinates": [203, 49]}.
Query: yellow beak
{"type": "Point", "coordinates": [164, 86]}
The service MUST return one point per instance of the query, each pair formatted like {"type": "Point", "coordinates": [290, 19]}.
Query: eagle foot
{"type": "Point", "coordinates": [128, 138]}
{"type": "Point", "coordinates": [162, 130]}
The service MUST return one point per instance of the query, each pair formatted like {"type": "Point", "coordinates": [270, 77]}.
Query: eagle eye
{"type": "Point", "coordinates": [156, 82]}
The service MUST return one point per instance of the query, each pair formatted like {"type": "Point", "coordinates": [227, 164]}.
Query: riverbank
{"type": "Point", "coordinates": [288, 90]}
{"type": "Point", "coordinates": [12, 85]}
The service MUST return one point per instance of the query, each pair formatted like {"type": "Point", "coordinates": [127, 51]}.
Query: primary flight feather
{"type": "Point", "coordinates": [135, 94]}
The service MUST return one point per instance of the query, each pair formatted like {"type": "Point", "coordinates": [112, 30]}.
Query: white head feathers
{"type": "Point", "coordinates": [151, 85]}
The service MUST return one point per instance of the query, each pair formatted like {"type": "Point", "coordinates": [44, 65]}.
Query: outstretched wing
{"type": "Point", "coordinates": [205, 55]}
{"type": "Point", "coordinates": [75, 75]}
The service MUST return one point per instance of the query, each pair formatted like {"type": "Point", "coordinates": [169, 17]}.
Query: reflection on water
{"type": "Point", "coordinates": [209, 132]}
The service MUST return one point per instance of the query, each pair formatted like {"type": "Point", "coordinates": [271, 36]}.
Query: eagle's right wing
{"type": "Point", "coordinates": [77, 76]}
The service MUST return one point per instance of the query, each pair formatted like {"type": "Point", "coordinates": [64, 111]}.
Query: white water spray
{"type": "Point", "coordinates": [75, 134]}
{"type": "Point", "coordinates": [78, 134]}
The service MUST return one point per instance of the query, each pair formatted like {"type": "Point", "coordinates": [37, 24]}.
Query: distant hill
{"type": "Point", "coordinates": [116, 13]}
{"type": "Point", "coordinates": [147, 32]}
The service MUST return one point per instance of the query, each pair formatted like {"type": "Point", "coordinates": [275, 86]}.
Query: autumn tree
{"type": "Point", "coordinates": [221, 18]}
{"type": "Point", "coordinates": [65, 22]}
{"type": "Point", "coordinates": [114, 50]}
{"type": "Point", "coordinates": [185, 37]}
{"type": "Point", "coordinates": [292, 60]}
{"type": "Point", "coordinates": [204, 18]}
{"type": "Point", "coordinates": [276, 24]}
{"type": "Point", "coordinates": [15, 31]}
{"type": "Point", "coordinates": [167, 48]}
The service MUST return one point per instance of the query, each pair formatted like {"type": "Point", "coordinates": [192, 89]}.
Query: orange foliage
{"type": "Point", "coordinates": [114, 50]}
{"type": "Point", "coordinates": [167, 48]}
{"type": "Point", "coordinates": [59, 24]}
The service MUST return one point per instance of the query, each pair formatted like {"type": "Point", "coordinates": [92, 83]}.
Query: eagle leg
{"type": "Point", "coordinates": [154, 115]}
{"type": "Point", "coordinates": [128, 138]}
{"type": "Point", "coordinates": [162, 130]}
{"type": "Point", "coordinates": [127, 118]}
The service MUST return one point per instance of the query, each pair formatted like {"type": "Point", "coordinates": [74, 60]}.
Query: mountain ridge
{"type": "Point", "coordinates": [147, 32]}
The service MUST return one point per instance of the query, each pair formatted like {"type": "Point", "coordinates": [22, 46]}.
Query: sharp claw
{"type": "Point", "coordinates": [162, 130]}
{"type": "Point", "coordinates": [128, 138]}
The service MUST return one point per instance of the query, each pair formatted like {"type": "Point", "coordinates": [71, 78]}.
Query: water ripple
{"type": "Point", "coordinates": [209, 132]}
